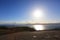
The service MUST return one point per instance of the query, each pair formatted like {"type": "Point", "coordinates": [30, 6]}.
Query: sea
{"type": "Point", "coordinates": [36, 26]}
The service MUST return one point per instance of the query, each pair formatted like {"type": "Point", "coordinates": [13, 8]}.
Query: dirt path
{"type": "Point", "coordinates": [43, 35]}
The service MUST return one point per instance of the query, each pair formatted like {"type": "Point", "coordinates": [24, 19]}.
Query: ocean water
{"type": "Point", "coordinates": [45, 27]}
{"type": "Point", "coordinates": [36, 27]}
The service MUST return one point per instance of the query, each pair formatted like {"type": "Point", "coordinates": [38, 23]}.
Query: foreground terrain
{"type": "Point", "coordinates": [37, 35]}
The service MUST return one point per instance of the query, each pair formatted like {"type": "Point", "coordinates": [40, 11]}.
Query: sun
{"type": "Point", "coordinates": [37, 13]}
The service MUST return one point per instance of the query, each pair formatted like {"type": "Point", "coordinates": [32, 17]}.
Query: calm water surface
{"type": "Point", "coordinates": [45, 27]}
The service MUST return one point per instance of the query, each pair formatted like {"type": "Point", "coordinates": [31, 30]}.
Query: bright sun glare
{"type": "Point", "coordinates": [37, 13]}
{"type": "Point", "coordinates": [38, 27]}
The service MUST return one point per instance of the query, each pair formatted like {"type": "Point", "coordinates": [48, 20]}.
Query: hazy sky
{"type": "Point", "coordinates": [21, 10]}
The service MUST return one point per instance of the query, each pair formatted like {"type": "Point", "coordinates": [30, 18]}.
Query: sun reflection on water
{"type": "Point", "coordinates": [38, 27]}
